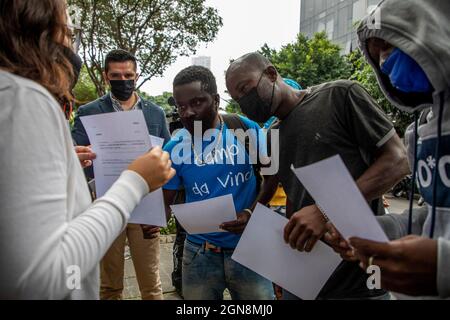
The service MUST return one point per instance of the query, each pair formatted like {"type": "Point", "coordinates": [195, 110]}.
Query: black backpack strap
{"type": "Point", "coordinates": [234, 122]}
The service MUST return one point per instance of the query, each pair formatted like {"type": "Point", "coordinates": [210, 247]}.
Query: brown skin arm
{"type": "Point", "coordinates": [305, 228]}
{"type": "Point", "coordinates": [268, 189]}
{"type": "Point", "coordinates": [390, 166]}
{"type": "Point", "coordinates": [289, 208]}
{"type": "Point", "coordinates": [237, 226]}
{"type": "Point", "coordinates": [308, 225]}
{"type": "Point", "coordinates": [408, 265]}
{"type": "Point", "coordinates": [169, 199]}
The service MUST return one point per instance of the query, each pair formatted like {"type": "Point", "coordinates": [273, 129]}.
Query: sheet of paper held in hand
{"type": "Point", "coordinates": [263, 250]}
{"type": "Point", "coordinates": [330, 184]}
{"type": "Point", "coordinates": [205, 216]}
{"type": "Point", "coordinates": [118, 138]}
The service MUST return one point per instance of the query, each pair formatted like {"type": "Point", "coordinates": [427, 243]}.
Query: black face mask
{"type": "Point", "coordinates": [76, 63]}
{"type": "Point", "coordinates": [254, 107]}
{"type": "Point", "coordinates": [122, 89]}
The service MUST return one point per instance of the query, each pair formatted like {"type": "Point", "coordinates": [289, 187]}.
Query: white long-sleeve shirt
{"type": "Point", "coordinates": [49, 230]}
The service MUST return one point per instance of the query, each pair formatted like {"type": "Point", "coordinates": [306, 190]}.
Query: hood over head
{"type": "Point", "coordinates": [421, 29]}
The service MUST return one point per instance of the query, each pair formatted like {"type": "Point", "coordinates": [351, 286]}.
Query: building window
{"type": "Point", "coordinates": [330, 29]}
{"type": "Point", "coordinates": [359, 10]}
{"type": "Point", "coordinates": [321, 27]}
{"type": "Point", "coordinates": [373, 3]}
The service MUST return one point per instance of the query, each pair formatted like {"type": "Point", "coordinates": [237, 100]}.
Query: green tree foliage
{"type": "Point", "coordinates": [171, 227]}
{"type": "Point", "coordinates": [156, 31]}
{"type": "Point", "coordinates": [85, 91]}
{"type": "Point", "coordinates": [160, 100]}
{"type": "Point", "coordinates": [309, 61]}
{"type": "Point", "coordinates": [233, 107]}
{"type": "Point", "coordinates": [317, 60]}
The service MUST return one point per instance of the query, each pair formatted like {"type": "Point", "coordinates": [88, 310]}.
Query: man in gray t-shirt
{"type": "Point", "coordinates": [333, 118]}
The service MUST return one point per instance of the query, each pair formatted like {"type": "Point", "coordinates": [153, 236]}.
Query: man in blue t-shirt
{"type": "Point", "coordinates": [214, 170]}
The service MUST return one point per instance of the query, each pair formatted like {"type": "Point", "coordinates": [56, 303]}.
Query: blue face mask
{"type": "Point", "coordinates": [405, 74]}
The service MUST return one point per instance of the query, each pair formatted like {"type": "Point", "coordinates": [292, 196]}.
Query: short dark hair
{"type": "Point", "coordinates": [194, 74]}
{"type": "Point", "coordinates": [119, 55]}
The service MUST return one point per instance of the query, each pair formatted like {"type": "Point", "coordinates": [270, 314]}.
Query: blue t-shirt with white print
{"type": "Point", "coordinates": [222, 174]}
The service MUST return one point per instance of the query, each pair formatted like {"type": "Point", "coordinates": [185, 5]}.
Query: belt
{"type": "Point", "coordinates": [210, 247]}
{"type": "Point", "coordinates": [207, 246]}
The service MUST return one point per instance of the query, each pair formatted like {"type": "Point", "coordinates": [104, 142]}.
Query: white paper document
{"type": "Point", "coordinates": [205, 216]}
{"type": "Point", "coordinates": [151, 210]}
{"type": "Point", "coordinates": [118, 138]}
{"type": "Point", "coordinates": [263, 250]}
{"type": "Point", "coordinates": [330, 184]}
{"type": "Point", "coordinates": [156, 141]}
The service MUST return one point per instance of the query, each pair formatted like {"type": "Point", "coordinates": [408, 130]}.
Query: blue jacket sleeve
{"type": "Point", "coordinates": [79, 134]}
{"type": "Point", "coordinates": [165, 130]}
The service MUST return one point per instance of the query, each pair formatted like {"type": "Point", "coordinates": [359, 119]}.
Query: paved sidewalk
{"type": "Point", "coordinates": [131, 288]}
{"type": "Point", "coordinates": [398, 205]}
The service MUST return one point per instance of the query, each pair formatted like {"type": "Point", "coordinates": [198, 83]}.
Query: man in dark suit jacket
{"type": "Point", "coordinates": [153, 114]}
{"type": "Point", "coordinates": [121, 74]}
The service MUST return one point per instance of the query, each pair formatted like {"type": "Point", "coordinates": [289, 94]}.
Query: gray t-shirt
{"type": "Point", "coordinates": [338, 117]}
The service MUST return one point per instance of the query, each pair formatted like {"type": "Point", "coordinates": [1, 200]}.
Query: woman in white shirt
{"type": "Point", "coordinates": [50, 232]}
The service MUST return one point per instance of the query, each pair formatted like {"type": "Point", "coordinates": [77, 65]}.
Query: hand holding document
{"type": "Point", "coordinates": [336, 193]}
{"type": "Point", "coordinates": [118, 138]}
{"type": "Point", "coordinates": [205, 216]}
{"type": "Point", "coordinates": [263, 250]}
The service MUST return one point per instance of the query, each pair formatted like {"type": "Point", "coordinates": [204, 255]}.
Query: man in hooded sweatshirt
{"type": "Point", "coordinates": [408, 45]}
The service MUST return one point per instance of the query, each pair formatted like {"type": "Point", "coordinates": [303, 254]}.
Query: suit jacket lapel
{"type": "Point", "coordinates": [106, 104]}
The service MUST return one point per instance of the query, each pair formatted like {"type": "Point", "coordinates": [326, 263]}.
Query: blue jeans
{"type": "Point", "coordinates": [207, 274]}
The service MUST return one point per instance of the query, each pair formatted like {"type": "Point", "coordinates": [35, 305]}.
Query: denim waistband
{"type": "Point", "coordinates": [203, 244]}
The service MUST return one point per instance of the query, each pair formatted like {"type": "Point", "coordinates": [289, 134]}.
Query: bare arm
{"type": "Point", "coordinates": [390, 166]}
{"type": "Point", "coordinates": [169, 199]}
{"type": "Point", "coordinates": [308, 225]}
{"type": "Point", "coordinates": [268, 189]}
